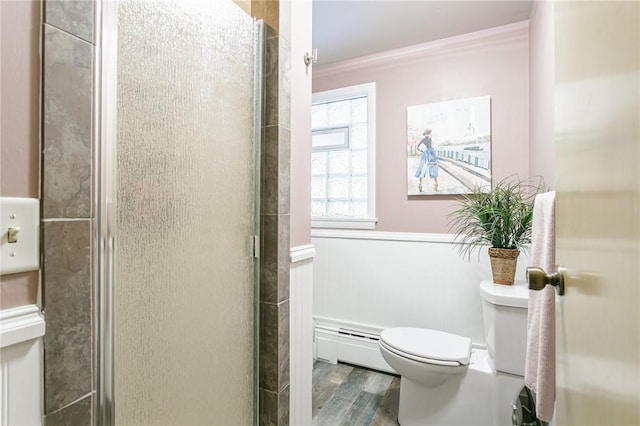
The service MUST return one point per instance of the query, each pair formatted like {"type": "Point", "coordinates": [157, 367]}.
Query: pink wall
{"type": "Point", "coordinates": [19, 105]}
{"type": "Point", "coordinates": [541, 93]}
{"type": "Point", "coordinates": [301, 12]}
{"type": "Point", "coordinates": [19, 98]}
{"type": "Point", "coordinates": [493, 62]}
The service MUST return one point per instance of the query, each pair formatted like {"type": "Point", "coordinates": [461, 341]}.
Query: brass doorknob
{"type": "Point", "coordinates": [538, 279]}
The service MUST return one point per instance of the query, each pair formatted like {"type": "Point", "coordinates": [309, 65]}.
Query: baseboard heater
{"type": "Point", "coordinates": [358, 334]}
{"type": "Point", "coordinates": [358, 347]}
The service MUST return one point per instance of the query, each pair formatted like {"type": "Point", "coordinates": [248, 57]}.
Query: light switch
{"type": "Point", "coordinates": [19, 235]}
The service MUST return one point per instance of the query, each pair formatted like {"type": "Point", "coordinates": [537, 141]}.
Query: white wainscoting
{"type": "Point", "coordinates": [21, 331]}
{"type": "Point", "coordinates": [301, 334]}
{"type": "Point", "coordinates": [369, 281]}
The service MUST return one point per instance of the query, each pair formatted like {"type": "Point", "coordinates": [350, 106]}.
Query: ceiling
{"type": "Point", "coordinates": [346, 29]}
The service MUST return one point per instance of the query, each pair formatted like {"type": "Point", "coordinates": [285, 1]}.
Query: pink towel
{"type": "Point", "coordinates": [540, 365]}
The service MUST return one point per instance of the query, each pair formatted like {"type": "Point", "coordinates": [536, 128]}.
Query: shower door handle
{"type": "Point", "coordinates": [538, 279]}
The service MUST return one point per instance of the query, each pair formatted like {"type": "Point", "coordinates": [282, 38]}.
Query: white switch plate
{"type": "Point", "coordinates": [23, 255]}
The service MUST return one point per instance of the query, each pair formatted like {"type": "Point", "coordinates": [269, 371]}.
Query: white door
{"type": "Point", "coordinates": [597, 215]}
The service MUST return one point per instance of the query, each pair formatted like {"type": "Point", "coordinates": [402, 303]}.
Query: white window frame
{"type": "Point", "coordinates": [369, 222]}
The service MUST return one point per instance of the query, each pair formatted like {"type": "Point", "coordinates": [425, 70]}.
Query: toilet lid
{"type": "Point", "coordinates": [428, 344]}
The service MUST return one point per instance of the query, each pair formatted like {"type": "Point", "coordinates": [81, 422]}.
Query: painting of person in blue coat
{"type": "Point", "coordinates": [428, 162]}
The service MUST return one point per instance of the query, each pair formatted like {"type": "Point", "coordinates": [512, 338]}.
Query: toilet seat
{"type": "Point", "coordinates": [420, 359]}
{"type": "Point", "coordinates": [427, 346]}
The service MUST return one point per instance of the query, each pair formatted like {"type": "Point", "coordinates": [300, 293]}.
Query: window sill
{"type": "Point", "coordinates": [344, 223]}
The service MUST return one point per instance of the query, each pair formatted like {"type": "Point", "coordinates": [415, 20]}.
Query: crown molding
{"type": "Point", "coordinates": [404, 55]}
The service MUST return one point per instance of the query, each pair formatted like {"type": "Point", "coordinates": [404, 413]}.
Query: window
{"type": "Point", "coordinates": [343, 158]}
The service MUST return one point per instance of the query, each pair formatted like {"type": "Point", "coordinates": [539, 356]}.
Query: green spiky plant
{"type": "Point", "coordinates": [499, 218]}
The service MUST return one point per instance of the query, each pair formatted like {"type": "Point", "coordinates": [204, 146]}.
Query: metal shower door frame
{"type": "Point", "coordinates": [104, 133]}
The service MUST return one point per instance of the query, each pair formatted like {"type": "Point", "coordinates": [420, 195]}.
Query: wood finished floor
{"type": "Point", "coordinates": [347, 395]}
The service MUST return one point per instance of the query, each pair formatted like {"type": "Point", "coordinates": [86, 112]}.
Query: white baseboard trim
{"type": "Point", "coordinates": [20, 325]}
{"type": "Point", "coordinates": [322, 321]}
{"type": "Point", "coordinates": [348, 342]}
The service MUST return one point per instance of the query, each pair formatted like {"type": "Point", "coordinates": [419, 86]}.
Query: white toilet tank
{"type": "Point", "coordinates": [504, 308]}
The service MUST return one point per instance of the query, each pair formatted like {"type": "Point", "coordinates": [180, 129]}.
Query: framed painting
{"type": "Point", "coordinates": [449, 146]}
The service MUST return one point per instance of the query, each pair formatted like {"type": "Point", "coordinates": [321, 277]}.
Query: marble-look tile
{"type": "Point", "coordinates": [268, 408]}
{"type": "Point", "coordinates": [284, 83]}
{"type": "Point", "coordinates": [284, 257]}
{"type": "Point", "coordinates": [269, 178]}
{"type": "Point", "coordinates": [72, 16]}
{"type": "Point", "coordinates": [67, 308]}
{"type": "Point", "coordinates": [67, 126]}
{"type": "Point", "coordinates": [275, 258]}
{"type": "Point", "coordinates": [269, 347]}
{"type": "Point", "coordinates": [271, 81]}
{"type": "Point", "coordinates": [274, 408]}
{"type": "Point", "coordinates": [269, 258]}
{"type": "Point", "coordinates": [283, 346]}
{"type": "Point", "coordinates": [274, 346]}
{"type": "Point", "coordinates": [269, 32]}
{"type": "Point", "coordinates": [283, 407]}
{"type": "Point", "coordinates": [284, 171]}
{"type": "Point", "coordinates": [76, 414]}
{"type": "Point", "coordinates": [276, 171]}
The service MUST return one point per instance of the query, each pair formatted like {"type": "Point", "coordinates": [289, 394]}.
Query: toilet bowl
{"type": "Point", "coordinates": [446, 380]}
{"type": "Point", "coordinates": [428, 357]}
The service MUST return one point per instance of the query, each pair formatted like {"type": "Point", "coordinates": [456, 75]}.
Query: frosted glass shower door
{"type": "Point", "coordinates": [183, 164]}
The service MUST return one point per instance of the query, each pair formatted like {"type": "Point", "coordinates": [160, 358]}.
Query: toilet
{"type": "Point", "coordinates": [448, 380]}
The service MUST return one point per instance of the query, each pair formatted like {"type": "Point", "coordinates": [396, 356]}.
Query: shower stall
{"type": "Point", "coordinates": [177, 107]}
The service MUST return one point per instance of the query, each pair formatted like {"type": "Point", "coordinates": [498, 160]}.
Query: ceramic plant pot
{"type": "Point", "coordinates": [503, 264]}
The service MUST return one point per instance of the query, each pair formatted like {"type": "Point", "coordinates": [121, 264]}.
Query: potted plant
{"type": "Point", "coordinates": [500, 218]}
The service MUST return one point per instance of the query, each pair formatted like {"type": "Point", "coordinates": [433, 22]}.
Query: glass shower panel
{"type": "Point", "coordinates": [183, 290]}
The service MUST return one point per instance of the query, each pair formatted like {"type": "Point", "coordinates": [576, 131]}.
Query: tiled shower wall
{"type": "Point", "coordinates": [68, 219]}
{"type": "Point", "coordinates": [275, 214]}
{"type": "Point", "coordinates": [66, 211]}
